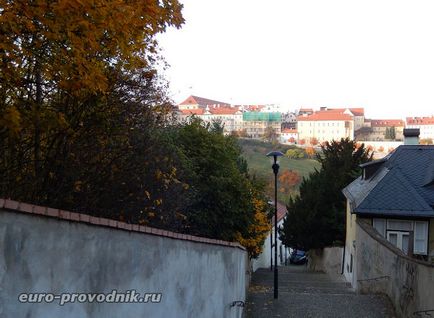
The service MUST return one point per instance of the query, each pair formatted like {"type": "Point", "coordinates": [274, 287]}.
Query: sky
{"type": "Point", "coordinates": [376, 54]}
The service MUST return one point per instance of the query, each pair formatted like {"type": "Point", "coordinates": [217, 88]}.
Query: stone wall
{"type": "Point", "coordinates": [327, 260]}
{"type": "Point", "coordinates": [383, 268]}
{"type": "Point", "coordinates": [51, 251]}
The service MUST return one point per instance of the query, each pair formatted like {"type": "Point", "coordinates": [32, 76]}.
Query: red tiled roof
{"type": "Point", "coordinates": [356, 111]}
{"type": "Point", "coordinates": [281, 212]}
{"type": "Point", "coordinates": [387, 123]}
{"type": "Point", "coordinates": [325, 116]}
{"type": "Point", "coordinates": [201, 101]}
{"type": "Point", "coordinates": [420, 120]}
{"type": "Point", "coordinates": [198, 111]}
{"type": "Point", "coordinates": [289, 131]}
{"type": "Point", "coordinates": [223, 110]}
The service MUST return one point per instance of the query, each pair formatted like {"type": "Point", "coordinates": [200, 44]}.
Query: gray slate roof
{"type": "Point", "coordinates": [403, 185]}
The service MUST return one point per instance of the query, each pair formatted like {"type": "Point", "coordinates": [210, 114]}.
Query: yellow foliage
{"type": "Point", "coordinates": [76, 40]}
{"type": "Point", "coordinates": [257, 231]}
{"type": "Point", "coordinates": [11, 120]}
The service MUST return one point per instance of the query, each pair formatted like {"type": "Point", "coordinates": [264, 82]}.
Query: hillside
{"type": "Point", "coordinates": [255, 153]}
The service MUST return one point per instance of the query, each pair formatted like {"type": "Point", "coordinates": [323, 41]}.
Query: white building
{"type": "Point", "coordinates": [230, 117]}
{"type": "Point", "coordinates": [288, 135]}
{"type": "Point", "coordinates": [325, 126]}
{"type": "Point", "coordinates": [425, 125]}
{"type": "Point", "coordinates": [267, 256]}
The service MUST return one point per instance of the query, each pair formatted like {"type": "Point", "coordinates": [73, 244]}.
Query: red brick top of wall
{"type": "Point", "coordinates": [85, 218]}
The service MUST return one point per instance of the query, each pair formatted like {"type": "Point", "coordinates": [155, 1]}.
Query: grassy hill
{"type": "Point", "coordinates": [255, 153]}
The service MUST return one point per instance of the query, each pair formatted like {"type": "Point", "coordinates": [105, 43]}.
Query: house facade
{"type": "Point", "coordinates": [265, 259]}
{"type": "Point", "coordinates": [288, 135]}
{"type": "Point", "coordinates": [325, 126]}
{"type": "Point", "coordinates": [395, 196]}
{"type": "Point", "coordinates": [424, 124]}
{"type": "Point", "coordinates": [386, 129]}
{"type": "Point", "coordinates": [255, 123]}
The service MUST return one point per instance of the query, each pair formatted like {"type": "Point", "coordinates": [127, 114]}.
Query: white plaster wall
{"type": "Point", "coordinates": [40, 254]}
{"type": "Point", "coordinates": [264, 259]}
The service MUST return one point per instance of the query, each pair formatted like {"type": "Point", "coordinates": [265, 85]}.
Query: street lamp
{"type": "Point", "coordinates": [275, 167]}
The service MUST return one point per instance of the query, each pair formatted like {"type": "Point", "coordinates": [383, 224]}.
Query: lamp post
{"type": "Point", "coordinates": [275, 167]}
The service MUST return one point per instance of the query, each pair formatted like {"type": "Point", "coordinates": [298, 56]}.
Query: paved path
{"type": "Point", "coordinates": [308, 294]}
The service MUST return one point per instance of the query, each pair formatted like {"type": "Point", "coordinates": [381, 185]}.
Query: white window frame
{"type": "Point", "coordinates": [420, 231]}
{"type": "Point", "coordinates": [399, 238]}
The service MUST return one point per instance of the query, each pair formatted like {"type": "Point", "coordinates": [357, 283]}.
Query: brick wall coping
{"type": "Point", "coordinates": [85, 218]}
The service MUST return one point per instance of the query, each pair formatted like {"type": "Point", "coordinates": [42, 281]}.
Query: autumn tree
{"type": "Point", "coordinates": [313, 141]}
{"type": "Point", "coordinates": [295, 153]}
{"type": "Point", "coordinates": [310, 152]}
{"type": "Point", "coordinates": [59, 62]}
{"type": "Point", "coordinates": [426, 141]}
{"type": "Point", "coordinates": [258, 230]}
{"type": "Point", "coordinates": [288, 180]}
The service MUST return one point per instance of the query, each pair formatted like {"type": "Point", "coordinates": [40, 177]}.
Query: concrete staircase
{"type": "Point", "coordinates": [310, 294]}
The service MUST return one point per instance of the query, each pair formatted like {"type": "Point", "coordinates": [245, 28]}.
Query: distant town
{"type": "Point", "coordinates": [306, 126]}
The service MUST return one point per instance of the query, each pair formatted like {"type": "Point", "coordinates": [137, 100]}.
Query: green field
{"type": "Point", "coordinates": [255, 153]}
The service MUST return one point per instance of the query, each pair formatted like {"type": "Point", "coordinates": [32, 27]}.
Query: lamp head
{"type": "Point", "coordinates": [274, 154]}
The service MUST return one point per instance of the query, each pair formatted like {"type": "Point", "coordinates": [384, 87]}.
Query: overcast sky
{"type": "Point", "coordinates": [377, 54]}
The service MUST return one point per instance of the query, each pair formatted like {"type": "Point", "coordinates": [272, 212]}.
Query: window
{"type": "Point", "coordinates": [398, 232]}
{"type": "Point", "coordinates": [420, 237]}
{"type": "Point", "coordinates": [400, 239]}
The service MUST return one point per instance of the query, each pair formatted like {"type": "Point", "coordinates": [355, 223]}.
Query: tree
{"type": "Point", "coordinates": [310, 152]}
{"type": "Point", "coordinates": [295, 153]}
{"type": "Point", "coordinates": [288, 179]}
{"type": "Point", "coordinates": [426, 141]}
{"type": "Point", "coordinates": [221, 203]}
{"type": "Point", "coordinates": [291, 140]}
{"type": "Point", "coordinates": [65, 69]}
{"type": "Point", "coordinates": [316, 217]}
{"type": "Point", "coordinates": [270, 134]}
{"type": "Point", "coordinates": [302, 141]}
{"type": "Point", "coordinates": [313, 141]}
{"type": "Point", "coordinates": [390, 133]}
{"type": "Point", "coordinates": [258, 230]}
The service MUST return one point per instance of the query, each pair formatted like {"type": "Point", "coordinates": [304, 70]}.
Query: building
{"type": "Point", "coordinates": [289, 135]}
{"type": "Point", "coordinates": [424, 124]}
{"type": "Point", "coordinates": [230, 117]}
{"type": "Point", "coordinates": [381, 130]}
{"type": "Point", "coordinates": [196, 102]}
{"type": "Point", "coordinates": [325, 126]}
{"type": "Point", "coordinates": [255, 124]}
{"type": "Point", "coordinates": [289, 120]}
{"type": "Point", "coordinates": [358, 114]}
{"type": "Point", "coordinates": [394, 195]}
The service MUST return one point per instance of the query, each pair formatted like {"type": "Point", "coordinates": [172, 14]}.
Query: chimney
{"type": "Point", "coordinates": [411, 136]}
{"type": "Point", "coordinates": [323, 108]}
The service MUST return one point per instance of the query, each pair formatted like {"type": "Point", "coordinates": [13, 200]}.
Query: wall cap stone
{"type": "Point", "coordinates": [36, 210]}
